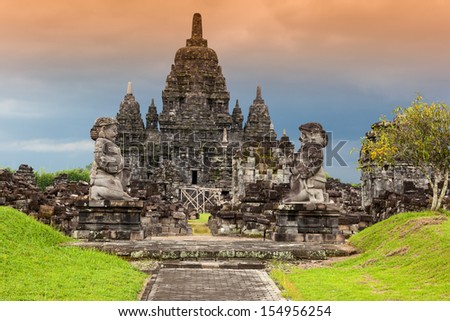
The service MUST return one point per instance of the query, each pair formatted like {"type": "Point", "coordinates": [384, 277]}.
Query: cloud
{"type": "Point", "coordinates": [48, 145]}
{"type": "Point", "coordinates": [13, 108]}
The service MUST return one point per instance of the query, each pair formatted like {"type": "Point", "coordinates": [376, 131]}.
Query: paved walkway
{"type": "Point", "coordinates": [209, 270]}
{"type": "Point", "coordinates": [206, 284]}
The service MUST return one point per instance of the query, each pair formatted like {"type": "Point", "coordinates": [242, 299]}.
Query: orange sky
{"type": "Point", "coordinates": [326, 60]}
{"type": "Point", "coordinates": [352, 38]}
{"type": "Point", "coordinates": [292, 26]}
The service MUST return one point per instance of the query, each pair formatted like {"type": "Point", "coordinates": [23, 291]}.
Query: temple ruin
{"type": "Point", "coordinates": [195, 143]}
{"type": "Point", "coordinates": [194, 140]}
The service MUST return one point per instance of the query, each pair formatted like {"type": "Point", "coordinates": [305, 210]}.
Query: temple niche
{"type": "Point", "coordinates": [194, 134]}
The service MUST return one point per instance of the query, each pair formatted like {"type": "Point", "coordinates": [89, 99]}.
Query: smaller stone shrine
{"type": "Point", "coordinates": [110, 212]}
{"type": "Point", "coordinates": [306, 214]}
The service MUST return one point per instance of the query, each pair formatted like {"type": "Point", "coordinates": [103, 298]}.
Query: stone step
{"type": "Point", "coordinates": [218, 249]}
{"type": "Point", "coordinates": [235, 265]}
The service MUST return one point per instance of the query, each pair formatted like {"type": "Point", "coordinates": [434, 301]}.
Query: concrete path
{"type": "Point", "coordinates": [211, 284]}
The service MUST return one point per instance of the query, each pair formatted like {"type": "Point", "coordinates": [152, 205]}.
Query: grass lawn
{"type": "Point", "coordinates": [199, 226]}
{"type": "Point", "coordinates": [34, 267]}
{"type": "Point", "coordinates": [406, 257]}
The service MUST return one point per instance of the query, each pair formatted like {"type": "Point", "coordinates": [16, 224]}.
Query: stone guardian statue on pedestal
{"type": "Point", "coordinates": [306, 214]}
{"type": "Point", "coordinates": [108, 176]}
{"type": "Point", "coordinates": [308, 176]}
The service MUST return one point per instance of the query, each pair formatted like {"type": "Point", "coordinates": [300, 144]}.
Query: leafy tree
{"type": "Point", "coordinates": [420, 136]}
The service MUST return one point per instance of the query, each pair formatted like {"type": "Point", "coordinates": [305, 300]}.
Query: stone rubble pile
{"type": "Point", "coordinates": [254, 214]}
{"type": "Point", "coordinates": [57, 205]}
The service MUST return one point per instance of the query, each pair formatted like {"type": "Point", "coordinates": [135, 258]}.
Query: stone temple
{"type": "Point", "coordinates": [195, 138]}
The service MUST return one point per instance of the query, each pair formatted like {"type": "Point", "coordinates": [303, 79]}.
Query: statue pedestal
{"type": "Point", "coordinates": [109, 220]}
{"type": "Point", "coordinates": [307, 222]}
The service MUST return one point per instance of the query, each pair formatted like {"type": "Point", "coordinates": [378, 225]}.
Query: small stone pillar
{"type": "Point", "coordinates": [109, 220]}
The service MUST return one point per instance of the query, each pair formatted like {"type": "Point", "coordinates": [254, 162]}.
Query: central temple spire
{"type": "Point", "coordinates": [196, 39]}
{"type": "Point", "coordinates": [197, 30]}
{"type": "Point", "coordinates": [258, 95]}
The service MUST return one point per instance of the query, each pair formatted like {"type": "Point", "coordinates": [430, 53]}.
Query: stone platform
{"type": "Point", "coordinates": [218, 248]}
{"type": "Point", "coordinates": [109, 220]}
{"type": "Point", "coordinates": [307, 222]}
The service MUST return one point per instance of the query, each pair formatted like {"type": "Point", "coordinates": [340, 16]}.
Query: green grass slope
{"type": "Point", "coordinates": [406, 257]}
{"type": "Point", "coordinates": [34, 267]}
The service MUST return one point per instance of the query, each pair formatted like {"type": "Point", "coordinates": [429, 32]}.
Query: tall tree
{"type": "Point", "coordinates": [420, 136]}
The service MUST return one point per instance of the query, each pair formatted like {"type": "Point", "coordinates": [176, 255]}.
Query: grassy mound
{"type": "Point", "coordinates": [406, 257]}
{"type": "Point", "coordinates": [34, 267]}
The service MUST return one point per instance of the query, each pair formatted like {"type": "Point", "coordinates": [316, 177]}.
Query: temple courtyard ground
{"type": "Point", "coordinates": [207, 268]}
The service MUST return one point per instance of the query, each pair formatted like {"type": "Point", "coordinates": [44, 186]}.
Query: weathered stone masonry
{"type": "Point", "coordinates": [389, 190]}
{"type": "Point", "coordinates": [194, 140]}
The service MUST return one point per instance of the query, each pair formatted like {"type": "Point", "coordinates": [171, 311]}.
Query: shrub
{"type": "Point", "coordinates": [44, 179]}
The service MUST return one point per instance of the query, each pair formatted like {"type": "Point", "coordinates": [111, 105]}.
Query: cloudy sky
{"type": "Point", "coordinates": [342, 63]}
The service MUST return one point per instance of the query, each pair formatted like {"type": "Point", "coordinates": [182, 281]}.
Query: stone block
{"type": "Point", "coordinates": [340, 239]}
{"type": "Point", "coordinates": [118, 235]}
{"type": "Point", "coordinates": [363, 225]}
{"type": "Point", "coordinates": [2, 200]}
{"type": "Point", "coordinates": [251, 208]}
{"type": "Point", "coordinates": [101, 235]}
{"type": "Point", "coordinates": [137, 235]}
{"type": "Point", "coordinates": [115, 220]}
{"type": "Point", "coordinates": [271, 194]}
{"type": "Point", "coordinates": [321, 207]}
{"type": "Point", "coordinates": [179, 215]}
{"type": "Point", "coordinates": [298, 238]}
{"type": "Point", "coordinates": [46, 211]}
{"type": "Point", "coordinates": [250, 218]}
{"type": "Point", "coordinates": [263, 221]}
{"type": "Point", "coordinates": [21, 204]}
{"type": "Point", "coordinates": [314, 238]}
{"type": "Point", "coordinates": [81, 234]}
{"type": "Point", "coordinates": [146, 220]}
{"type": "Point", "coordinates": [157, 230]}
{"type": "Point", "coordinates": [33, 204]}
{"type": "Point", "coordinates": [229, 215]}
{"type": "Point", "coordinates": [331, 238]}
{"type": "Point", "coordinates": [59, 210]}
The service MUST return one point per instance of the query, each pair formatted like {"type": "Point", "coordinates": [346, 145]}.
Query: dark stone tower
{"type": "Point", "coordinates": [195, 140]}
{"type": "Point", "coordinates": [131, 133]}
{"type": "Point", "coordinates": [195, 96]}
{"type": "Point", "coordinates": [152, 118]}
{"type": "Point", "coordinates": [237, 118]}
{"type": "Point", "coordinates": [259, 127]}
{"type": "Point", "coordinates": [195, 112]}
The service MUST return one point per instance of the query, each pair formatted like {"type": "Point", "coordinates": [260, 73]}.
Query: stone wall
{"type": "Point", "coordinates": [253, 215]}
{"type": "Point", "coordinates": [389, 190]}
